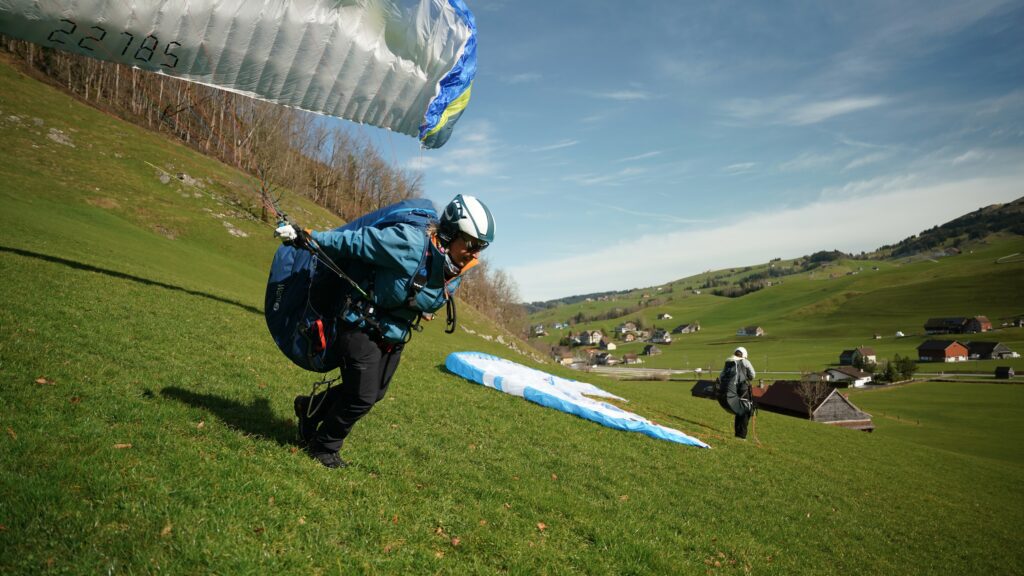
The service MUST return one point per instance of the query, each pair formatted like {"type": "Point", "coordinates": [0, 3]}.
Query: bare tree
{"type": "Point", "coordinates": [813, 388]}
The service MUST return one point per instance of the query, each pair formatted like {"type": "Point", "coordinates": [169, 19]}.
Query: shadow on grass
{"type": "Point", "coordinates": [256, 418]}
{"type": "Point", "coordinates": [124, 276]}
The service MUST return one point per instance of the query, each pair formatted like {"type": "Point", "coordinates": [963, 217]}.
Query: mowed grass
{"type": "Point", "coordinates": [146, 426]}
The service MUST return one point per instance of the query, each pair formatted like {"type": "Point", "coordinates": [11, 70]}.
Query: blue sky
{"type": "Point", "coordinates": [624, 145]}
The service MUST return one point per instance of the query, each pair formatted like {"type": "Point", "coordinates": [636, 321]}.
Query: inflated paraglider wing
{"type": "Point", "coordinates": [405, 65]}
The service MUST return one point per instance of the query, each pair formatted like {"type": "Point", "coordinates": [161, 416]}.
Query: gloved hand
{"type": "Point", "coordinates": [292, 235]}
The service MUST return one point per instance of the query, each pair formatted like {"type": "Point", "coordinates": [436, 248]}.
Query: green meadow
{"type": "Point", "coordinates": [146, 422]}
{"type": "Point", "coordinates": [810, 318]}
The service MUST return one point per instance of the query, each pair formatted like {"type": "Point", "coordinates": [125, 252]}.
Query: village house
{"type": "Point", "coordinates": [861, 355]}
{"type": "Point", "coordinates": [750, 331]}
{"type": "Point", "coordinates": [629, 337]}
{"type": "Point", "coordinates": [687, 328]}
{"type": "Point", "coordinates": [989, 351]}
{"type": "Point", "coordinates": [664, 316]}
{"type": "Point", "coordinates": [562, 355]}
{"type": "Point", "coordinates": [607, 344]}
{"type": "Point", "coordinates": [605, 359]}
{"type": "Point", "coordinates": [589, 338]}
{"type": "Point", "coordinates": [631, 359]}
{"type": "Point", "coordinates": [783, 397]}
{"type": "Point", "coordinates": [957, 325]}
{"type": "Point", "coordinates": [941, 351]}
{"type": "Point", "coordinates": [625, 328]}
{"type": "Point", "coordinates": [661, 337]}
{"type": "Point", "coordinates": [844, 376]}
{"type": "Point", "coordinates": [538, 330]}
{"type": "Point", "coordinates": [651, 350]}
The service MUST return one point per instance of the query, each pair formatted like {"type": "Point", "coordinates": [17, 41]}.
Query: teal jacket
{"type": "Point", "coordinates": [384, 262]}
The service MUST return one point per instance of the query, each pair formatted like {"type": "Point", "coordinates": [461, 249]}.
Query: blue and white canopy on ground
{"type": "Point", "coordinates": [552, 391]}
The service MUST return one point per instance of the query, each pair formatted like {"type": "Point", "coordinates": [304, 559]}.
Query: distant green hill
{"type": "Point", "coordinates": [146, 416]}
{"type": "Point", "coordinates": [997, 218]}
{"type": "Point", "coordinates": [815, 306]}
{"type": "Point", "coordinates": [810, 317]}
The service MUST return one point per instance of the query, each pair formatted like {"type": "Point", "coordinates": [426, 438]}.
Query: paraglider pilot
{"type": "Point", "coordinates": [371, 335]}
{"type": "Point", "coordinates": [737, 374]}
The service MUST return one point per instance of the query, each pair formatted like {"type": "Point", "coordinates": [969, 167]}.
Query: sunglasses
{"type": "Point", "coordinates": [473, 244]}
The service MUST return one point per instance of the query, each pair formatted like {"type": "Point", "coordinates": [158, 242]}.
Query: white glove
{"type": "Point", "coordinates": [286, 232]}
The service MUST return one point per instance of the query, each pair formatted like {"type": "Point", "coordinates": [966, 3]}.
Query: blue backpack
{"type": "Point", "coordinates": [305, 298]}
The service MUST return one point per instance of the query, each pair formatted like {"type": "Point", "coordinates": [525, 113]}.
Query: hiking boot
{"type": "Point", "coordinates": [307, 426]}
{"type": "Point", "coordinates": [329, 460]}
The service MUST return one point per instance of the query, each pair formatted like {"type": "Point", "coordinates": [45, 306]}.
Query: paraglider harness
{"type": "Point", "coordinates": [727, 390]}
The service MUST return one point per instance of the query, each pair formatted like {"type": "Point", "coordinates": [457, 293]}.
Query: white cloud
{"type": "Point", "coordinates": [809, 161]}
{"type": "Point", "coordinates": [471, 152]}
{"type": "Point", "coordinates": [608, 179]}
{"type": "Point", "coordinates": [866, 160]}
{"type": "Point", "coordinates": [896, 212]}
{"type": "Point", "coordinates": [643, 156]}
{"type": "Point", "coordinates": [625, 95]}
{"type": "Point", "coordinates": [523, 78]}
{"type": "Point", "coordinates": [740, 167]}
{"type": "Point", "coordinates": [969, 156]}
{"type": "Point", "coordinates": [815, 112]}
{"type": "Point", "coordinates": [797, 110]}
{"type": "Point", "coordinates": [556, 146]}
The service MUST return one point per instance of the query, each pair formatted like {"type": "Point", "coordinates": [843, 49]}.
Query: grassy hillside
{"type": "Point", "coordinates": [811, 317]}
{"type": "Point", "coordinates": [145, 419]}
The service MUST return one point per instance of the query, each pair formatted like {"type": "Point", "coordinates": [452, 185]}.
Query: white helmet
{"type": "Point", "coordinates": [469, 216]}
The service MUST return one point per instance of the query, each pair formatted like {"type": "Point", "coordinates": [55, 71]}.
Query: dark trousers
{"type": "Point", "coordinates": [366, 371]}
{"type": "Point", "coordinates": [740, 425]}
{"type": "Point", "coordinates": [741, 421]}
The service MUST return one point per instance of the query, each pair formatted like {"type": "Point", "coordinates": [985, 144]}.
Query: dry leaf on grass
{"type": "Point", "coordinates": [43, 380]}
{"type": "Point", "coordinates": [456, 541]}
{"type": "Point", "coordinates": [542, 526]}
{"type": "Point", "coordinates": [122, 446]}
{"type": "Point", "coordinates": [11, 433]}
{"type": "Point", "coordinates": [166, 530]}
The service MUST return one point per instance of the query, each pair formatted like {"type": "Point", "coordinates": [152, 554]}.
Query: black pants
{"type": "Point", "coordinates": [740, 422]}
{"type": "Point", "coordinates": [366, 371]}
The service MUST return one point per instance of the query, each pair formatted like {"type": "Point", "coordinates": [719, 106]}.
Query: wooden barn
{"type": "Point", "coordinates": [861, 353]}
{"type": "Point", "coordinates": [988, 351]}
{"type": "Point", "coordinates": [957, 325]}
{"type": "Point", "coordinates": [836, 409]}
{"type": "Point", "coordinates": [941, 351]}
